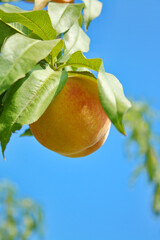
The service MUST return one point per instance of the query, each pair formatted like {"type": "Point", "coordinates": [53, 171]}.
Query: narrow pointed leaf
{"type": "Point", "coordinates": [156, 202]}
{"type": "Point", "coordinates": [20, 54]}
{"type": "Point", "coordinates": [37, 21]}
{"type": "Point", "coordinates": [91, 11]}
{"type": "Point", "coordinates": [151, 163]}
{"type": "Point", "coordinates": [113, 99]}
{"type": "Point", "coordinates": [77, 59]}
{"type": "Point", "coordinates": [75, 40]}
{"type": "Point", "coordinates": [27, 100]}
{"type": "Point", "coordinates": [63, 16]}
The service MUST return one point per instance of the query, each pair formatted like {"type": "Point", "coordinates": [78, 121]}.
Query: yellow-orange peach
{"type": "Point", "coordinates": [74, 124]}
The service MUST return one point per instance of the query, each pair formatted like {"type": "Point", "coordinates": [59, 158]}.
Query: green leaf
{"type": "Point", "coordinates": [75, 40]}
{"type": "Point", "coordinates": [111, 92]}
{"type": "Point", "coordinates": [20, 54]}
{"type": "Point", "coordinates": [27, 133]}
{"type": "Point", "coordinates": [151, 163]}
{"type": "Point", "coordinates": [28, 99]}
{"type": "Point", "coordinates": [82, 73]}
{"type": "Point", "coordinates": [37, 21]}
{"type": "Point", "coordinates": [113, 99]}
{"type": "Point", "coordinates": [80, 20]}
{"type": "Point", "coordinates": [156, 203]}
{"type": "Point", "coordinates": [77, 59]}
{"type": "Point", "coordinates": [91, 11]}
{"type": "Point", "coordinates": [63, 16]}
{"type": "Point", "coordinates": [5, 31]}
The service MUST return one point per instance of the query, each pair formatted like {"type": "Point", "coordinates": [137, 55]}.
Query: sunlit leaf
{"type": "Point", "coordinates": [113, 99]}
{"type": "Point", "coordinates": [20, 54]}
{"type": "Point", "coordinates": [37, 21]}
{"type": "Point", "coordinates": [63, 16]}
{"type": "Point", "coordinates": [92, 10]}
{"type": "Point", "coordinates": [75, 40]}
{"type": "Point", "coordinates": [77, 59]}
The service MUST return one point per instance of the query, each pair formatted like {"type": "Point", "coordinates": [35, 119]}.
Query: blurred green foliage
{"type": "Point", "coordinates": [5, 1]}
{"type": "Point", "coordinates": [142, 144]}
{"type": "Point", "coordinates": [20, 218]}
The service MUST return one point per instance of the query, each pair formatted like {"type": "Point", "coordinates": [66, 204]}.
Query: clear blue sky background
{"type": "Point", "coordinates": [90, 198]}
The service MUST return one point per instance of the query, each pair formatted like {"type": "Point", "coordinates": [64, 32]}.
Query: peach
{"type": "Point", "coordinates": [74, 124]}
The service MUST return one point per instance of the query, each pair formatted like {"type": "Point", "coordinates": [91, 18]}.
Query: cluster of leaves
{"type": "Point", "coordinates": [142, 144]}
{"type": "Point", "coordinates": [37, 48]}
{"type": "Point", "coordinates": [19, 218]}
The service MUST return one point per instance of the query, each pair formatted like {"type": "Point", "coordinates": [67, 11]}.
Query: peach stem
{"type": "Point", "coordinates": [40, 4]}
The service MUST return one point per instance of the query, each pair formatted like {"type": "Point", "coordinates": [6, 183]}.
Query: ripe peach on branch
{"type": "Point", "coordinates": [46, 83]}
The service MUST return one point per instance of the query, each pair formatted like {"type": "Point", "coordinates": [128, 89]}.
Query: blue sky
{"type": "Point", "coordinates": [90, 198]}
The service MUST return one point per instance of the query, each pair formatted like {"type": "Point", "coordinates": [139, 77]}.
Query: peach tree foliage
{"type": "Point", "coordinates": [20, 218]}
{"type": "Point", "coordinates": [142, 145]}
{"type": "Point", "coordinates": [39, 50]}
